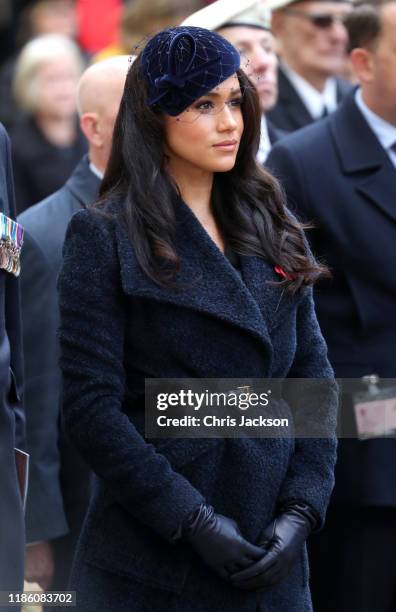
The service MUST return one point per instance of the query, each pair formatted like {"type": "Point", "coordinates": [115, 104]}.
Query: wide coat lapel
{"type": "Point", "coordinates": [209, 283]}
{"type": "Point", "coordinates": [362, 155]}
{"type": "Point", "coordinates": [263, 284]}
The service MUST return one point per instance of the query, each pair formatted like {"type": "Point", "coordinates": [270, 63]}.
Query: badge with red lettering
{"type": "Point", "coordinates": [375, 413]}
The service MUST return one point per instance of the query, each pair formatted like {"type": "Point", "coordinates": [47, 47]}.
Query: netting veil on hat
{"type": "Point", "coordinates": [182, 64]}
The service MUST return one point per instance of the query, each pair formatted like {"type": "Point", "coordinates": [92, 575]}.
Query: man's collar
{"type": "Point", "coordinates": [316, 102]}
{"type": "Point", "coordinates": [96, 171]}
{"type": "Point", "coordinates": [265, 143]}
{"type": "Point", "coordinates": [385, 132]}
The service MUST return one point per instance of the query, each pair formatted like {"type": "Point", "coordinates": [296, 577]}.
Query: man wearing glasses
{"type": "Point", "coordinates": [247, 25]}
{"type": "Point", "coordinates": [312, 39]}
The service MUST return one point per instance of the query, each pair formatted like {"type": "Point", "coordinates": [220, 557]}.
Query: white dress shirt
{"type": "Point", "coordinates": [316, 102]}
{"type": "Point", "coordinates": [384, 131]}
{"type": "Point", "coordinates": [95, 170]}
{"type": "Point", "coordinates": [265, 143]}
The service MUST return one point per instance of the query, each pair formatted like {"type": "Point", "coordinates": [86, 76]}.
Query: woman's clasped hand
{"type": "Point", "coordinates": [219, 542]}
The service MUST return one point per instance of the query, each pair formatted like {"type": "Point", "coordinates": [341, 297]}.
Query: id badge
{"type": "Point", "coordinates": [375, 411]}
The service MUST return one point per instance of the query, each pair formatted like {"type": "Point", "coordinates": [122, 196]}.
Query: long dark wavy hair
{"type": "Point", "coordinates": [248, 202]}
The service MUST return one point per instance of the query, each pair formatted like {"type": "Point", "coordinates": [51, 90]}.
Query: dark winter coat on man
{"type": "Point", "coordinates": [59, 481]}
{"type": "Point", "coordinates": [12, 539]}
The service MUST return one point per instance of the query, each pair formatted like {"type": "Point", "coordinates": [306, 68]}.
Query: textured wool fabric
{"type": "Point", "coordinates": [181, 64]}
{"type": "Point", "coordinates": [118, 328]}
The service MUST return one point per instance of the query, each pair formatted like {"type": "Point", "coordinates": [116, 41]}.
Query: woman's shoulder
{"type": "Point", "coordinates": [101, 218]}
{"type": "Point", "coordinates": [94, 229]}
{"type": "Point", "coordinates": [101, 232]}
{"type": "Point", "coordinates": [91, 247]}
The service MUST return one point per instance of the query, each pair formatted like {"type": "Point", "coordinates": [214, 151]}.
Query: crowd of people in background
{"type": "Point", "coordinates": [325, 73]}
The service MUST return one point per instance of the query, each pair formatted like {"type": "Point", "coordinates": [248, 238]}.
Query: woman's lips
{"type": "Point", "coordinates": [226, 145]}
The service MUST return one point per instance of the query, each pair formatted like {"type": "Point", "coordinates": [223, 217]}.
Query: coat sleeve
{"type": "Point", "coordinates": [313, 396]}
{"type": "Point", "coordinates": [12, 310]}
{"type": "Point", "coordinates": [45, 514]}
{"type": "Point", "coordinates": [92, 308]}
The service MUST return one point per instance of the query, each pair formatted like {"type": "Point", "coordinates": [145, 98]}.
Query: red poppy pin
{"type": "Point", "coordinates": [281, 272]}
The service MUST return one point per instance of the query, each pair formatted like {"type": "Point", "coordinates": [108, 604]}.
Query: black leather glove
{"type": "Point", "coordinates": [283, 540]}
{"type": "Point", "coordinates": [219, 542]}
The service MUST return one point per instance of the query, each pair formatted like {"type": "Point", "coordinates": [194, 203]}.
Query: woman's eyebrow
{"type": "Point", "coordinates": [213, 94]}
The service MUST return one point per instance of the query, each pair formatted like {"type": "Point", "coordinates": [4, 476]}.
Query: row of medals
{"type": "Point", "coordinates": [9, 256]}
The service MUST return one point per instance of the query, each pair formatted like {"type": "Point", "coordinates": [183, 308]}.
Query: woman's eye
{"type": "Point", "coordinates": [236, 102]}
{"type": "Point", "coordinates": [204, 106]}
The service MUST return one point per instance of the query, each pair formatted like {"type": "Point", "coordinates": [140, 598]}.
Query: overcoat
{"type": "Point", "coordinates": [59, 480]}
{"type": "Point", "coordinates": [118, 327]}
{"type": "Point", "coordinates": [354, 214]}
{"type": "Point", "coordinates": [338, 176]}
{"type": "Point", "coordinates": [11, 412]}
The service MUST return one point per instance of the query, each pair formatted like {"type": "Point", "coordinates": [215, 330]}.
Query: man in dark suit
{"type": "Point", "coordinates": [247, 25]}
{"type": "Point", "coordinates": [11, 414]}
{"type": "Point", "coordinates": [312, 40]}
{"type": "Point", "coordinates": [341, 174]}
{"type": "Point", "coordinates": [59, 486]}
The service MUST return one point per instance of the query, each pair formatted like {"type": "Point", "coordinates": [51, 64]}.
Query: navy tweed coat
{"type": "Point", "coordinates": [118, 328]}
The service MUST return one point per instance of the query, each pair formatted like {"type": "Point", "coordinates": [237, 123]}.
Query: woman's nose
{"type": "Point", "coordinates": [226, 119]}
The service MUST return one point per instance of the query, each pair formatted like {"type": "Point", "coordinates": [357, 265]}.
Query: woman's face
{"type": "Point", "coordinates": [55, 87]}
{"type": "Point", "coordinates": [207, 135]}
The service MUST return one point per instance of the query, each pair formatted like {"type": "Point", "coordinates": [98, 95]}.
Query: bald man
{"type": "Point", "coordinates": [59, 481]}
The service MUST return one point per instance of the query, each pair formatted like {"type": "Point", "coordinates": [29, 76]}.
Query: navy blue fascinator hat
{"type": "Point", "coordinates": [182, 64]}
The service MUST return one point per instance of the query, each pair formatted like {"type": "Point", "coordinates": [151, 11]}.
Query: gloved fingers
{"type": "Point", "coordinates": [261, 581]}
{"type": "Point", "coordinates": [240, 564]}
{"type": "Point", "coordinates": [265, 543]}
{"type": "Point", "coordinates": [260, 567]}
{"type": "Point", "coordinates": [266, 580]}
{"type": "Point", "coordinates": [269, 532]}
{"type": "Point", "coordinates": [252, 551]}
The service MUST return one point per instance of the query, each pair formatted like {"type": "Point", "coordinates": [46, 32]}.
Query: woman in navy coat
{"type": "Point", "coordinates": [190, 266]}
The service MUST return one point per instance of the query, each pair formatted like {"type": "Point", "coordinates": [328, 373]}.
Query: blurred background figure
{"type": "Point", "coordinates": [28, 19]}
{"type": "Point", "coordinates": [312, 43]}
{"type": "Point", "coordinates": [47, 17]}
{"type": "Point", "coordinates": [46, 142]}
{"type": "Point", "coordinates": [247, 25]}
{"type": "Point", "coordinates": [142, 18]}
{"type": "Point", "coordinates": [340, 173]}
{"type": "Point", "coordinates": [7, 25]}
{"type": "Point", "coordinates": [59, 480]}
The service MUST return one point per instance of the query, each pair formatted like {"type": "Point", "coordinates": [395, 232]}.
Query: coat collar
{"type": "Point", "coordinates": [291, 100]}
{"type": "Point", "coordinates": [274, 133]}
{"type": "Point", "coordinates": [83, 184]}
{"type": "Point", "coordinates": [212, 285]}
{"type": "Point", "coordinates": [361, 153]}
{"type": "Point", "coordinates": [296, 108]}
